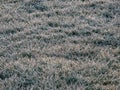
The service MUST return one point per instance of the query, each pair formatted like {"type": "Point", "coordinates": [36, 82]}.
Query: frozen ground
{"type": "Point", "coordinates": [59, 44]}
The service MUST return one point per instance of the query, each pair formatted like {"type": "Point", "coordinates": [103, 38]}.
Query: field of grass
{"type": "Point", "coordinates": [59, 45]}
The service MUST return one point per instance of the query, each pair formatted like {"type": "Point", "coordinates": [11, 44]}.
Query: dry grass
{"type": "Point", "coordinates": [59, 44]}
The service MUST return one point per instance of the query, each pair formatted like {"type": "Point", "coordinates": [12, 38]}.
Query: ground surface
{"type": "Point", "coordinates": [59, 45]}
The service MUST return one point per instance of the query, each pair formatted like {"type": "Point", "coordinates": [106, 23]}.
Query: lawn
{"type": "Point", "coordinates": [59, 44]}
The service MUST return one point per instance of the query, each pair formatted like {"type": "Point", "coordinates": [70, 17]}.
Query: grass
{"type": "Point", "coordinates": [59, 45]}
